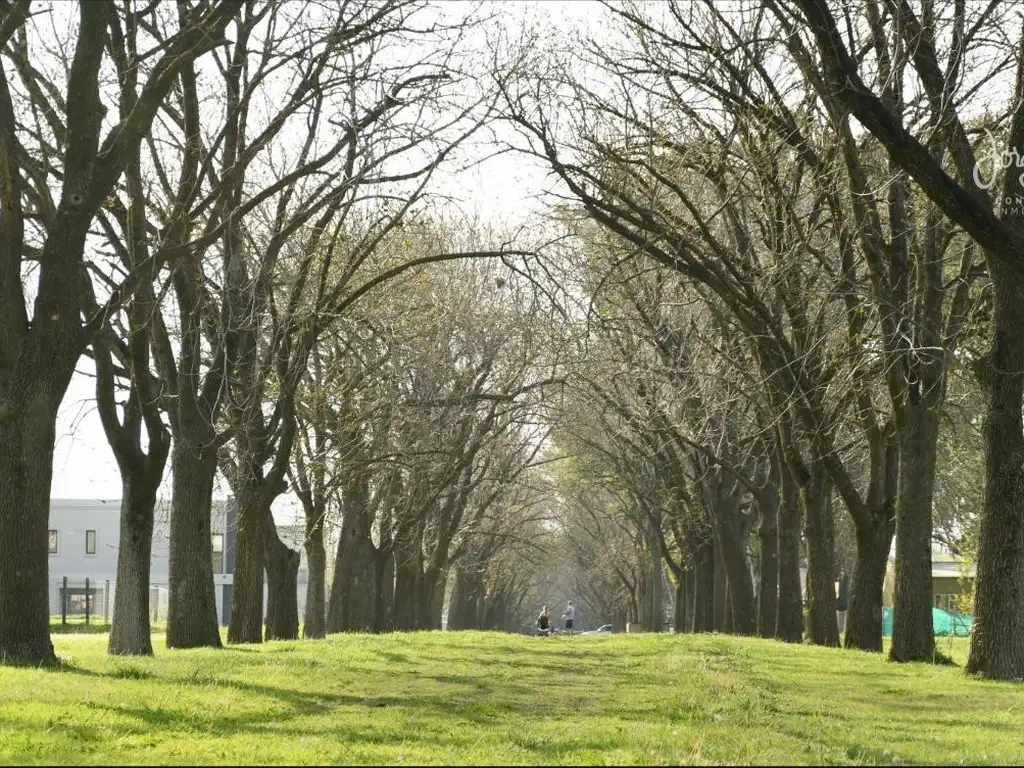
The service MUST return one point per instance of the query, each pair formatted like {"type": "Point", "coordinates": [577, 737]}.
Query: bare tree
{"type": "Point", "coordinates": [61, 141]}
{"type": "Point", "coordinates": [947, 57]}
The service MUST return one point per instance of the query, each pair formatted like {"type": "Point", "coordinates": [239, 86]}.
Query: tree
{"type": "Point", "coordinates": [69, 149]}
{"type": "Point", "coordinates": [946, 168]}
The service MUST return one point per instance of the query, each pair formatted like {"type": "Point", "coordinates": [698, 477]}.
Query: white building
{"type": "Point", "coordinates": [83, 540]}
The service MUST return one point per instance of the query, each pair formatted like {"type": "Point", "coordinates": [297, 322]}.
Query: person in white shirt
{"type": "Point", "coordinates": [569, 616]}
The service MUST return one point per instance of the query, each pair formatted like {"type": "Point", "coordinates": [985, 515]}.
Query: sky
{"type": "Point", "coordinates": [501, 189]}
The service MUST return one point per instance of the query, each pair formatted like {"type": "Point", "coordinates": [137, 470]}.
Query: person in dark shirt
{"type": "Point", "coordinates": [544, 621]}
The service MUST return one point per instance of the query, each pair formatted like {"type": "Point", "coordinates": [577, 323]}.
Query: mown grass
{"type": "Point", "coordinates": [474, 697]}
{"type": "Point", "coordinates": [76, 625]}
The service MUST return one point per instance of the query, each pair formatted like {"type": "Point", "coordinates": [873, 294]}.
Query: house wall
{"type": "Point", "coordinates": [71, 518]}
{"type": "Point", "coordinates": [945, 590]}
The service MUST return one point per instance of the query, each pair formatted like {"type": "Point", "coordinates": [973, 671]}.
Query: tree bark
{"type": "Point", "coordinates": [997, 639]}
{"type": "Point", "coordinates": [462, 607]}
{"type": "Point", "coordinates": [130, 630]}
{"type": "Point", "coordinates": [408, 582]}
{"type": "Point", "coordinates": [741, 607]}
{"type": "Point", "coordinates": [428, 613]}
{"type": "Point", "coordinates": [282, 564]}
{"type": "Point", "coordinates": [790, 620]}
{"type": "Point", "coordinates": [679, 618]}
{"type": "Point", "coordinates": [352, 601]}
{"type": "Point", "coordinates": [704, 587]}
{"type": "Point", "coordinates": [657, 596]}
{"type": "Point", "coordinates": [26, 466]}
{"type": "Point", "coordinates": [383, 615]}
{"type": "Point", "coordinates": [314, 620]}
{"type": "Point", "coordinates": [820, 532]}
{"type": "Point", "coordinates": [768, 535]}
{"type": "Point", "coordinates": [913, 635]}
{"type": "Point", "coordinates": [246, 625]}
{"type": "Point", "coordinates": [408, 552]}
{"type": "Point", "coordinates": [721, 589]}
{"type": "Point", "coordinates": [192, 605]}
{"type": "Point", "coordinates": [864, 615]}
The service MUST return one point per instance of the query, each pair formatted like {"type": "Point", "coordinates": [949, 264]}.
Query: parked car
{"type": "Point", "coordinates": [604, 629]}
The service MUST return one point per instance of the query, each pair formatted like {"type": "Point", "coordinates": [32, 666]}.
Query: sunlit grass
{"type": "Point", "coordinates": [473, 697]}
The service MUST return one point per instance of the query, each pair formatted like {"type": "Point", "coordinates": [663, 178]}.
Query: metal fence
{"type": "Point", "coordinates": [91, 601]}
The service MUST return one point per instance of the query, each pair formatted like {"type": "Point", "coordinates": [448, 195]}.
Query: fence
{"type": "Point", "coordinates": [92, 601]}
{"type": "Point", "coordinates": [88, 599]}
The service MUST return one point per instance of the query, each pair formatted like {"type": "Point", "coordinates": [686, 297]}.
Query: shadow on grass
{"type": "Point", "coordinates": [473, 702]}
{"type": "Point", "coordinates": [64, 666]}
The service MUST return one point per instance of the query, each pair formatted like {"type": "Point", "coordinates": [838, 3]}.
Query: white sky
{"type": "Point", "coordinates": [502, 189]}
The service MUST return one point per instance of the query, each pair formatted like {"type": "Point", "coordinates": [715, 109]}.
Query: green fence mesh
{"type": "Point", "coordinates": [946, 623]}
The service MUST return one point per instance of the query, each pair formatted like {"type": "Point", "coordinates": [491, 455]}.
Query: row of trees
{"type": "Point", "coordinates": [207, 200]}
{"type": "Point", "coordinates": [792, 255]}
{"type": "Point", "coordinates": [780, 266]}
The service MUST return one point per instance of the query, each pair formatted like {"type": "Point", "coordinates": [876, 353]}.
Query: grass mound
{"type": "Point", "coordinates": [488, 698]}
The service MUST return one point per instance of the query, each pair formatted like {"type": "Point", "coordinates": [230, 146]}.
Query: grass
{"type": "Point", "coordinates": [472, 697]}
{"type": "Point", "coordinates": [76, 625]}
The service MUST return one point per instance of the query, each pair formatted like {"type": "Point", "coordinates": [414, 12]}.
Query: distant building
{"type": "Point", "coordinates": [951, 580]}
{"type": "Point", "coordinates": [83, 539]}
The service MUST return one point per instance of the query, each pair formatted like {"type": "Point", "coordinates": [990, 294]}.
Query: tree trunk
{"type": "Point", "coordinates": [408, 552]}
{"type": "Point", "coordinates": [657, 594]}
{"type": "Point", "coordinates": [335, 603]}
{"type": "Point", "coordinates": [428, 614]}
{"type": "Point", "coordinates": [459, 602]}
{"type": "Point", "coordinates": [679, 617]}
{"type": "Point", "coordinates": [353, 589]}
{"type": "Point", "coordinates": [408, 581]}
{"type": "Point", "coordinates": [314, 621]}
{"type": "Point", "coordinates": [246, 625]}
{"type": "Point", "coordinates": [26, 468]}
{"type": "Point", "coordinates": [864, 615]}
{"type": "Point", "coordinates": [384, 608]}
{"type": "Point", "coordinates": [480, 610]}
{"type": "Point", "coordinates": [721, 590]}
{"type": "Point", "coordinates": [997, 640]}
{"type": "Point", "coordinates": [768, 589]}
{"type": "Point", "coordinates": [790, 621]}
{"type": "Point", "coordinates": [742, 607]}
{"type": "Point", "coordinates": [843, 599]}
{"type": "Point", "coordinates": [384, 573]}
{"type": "Point", "coordinates": [130, 629]}
{"type": "Point", "coordinates": [821, 592]}
{"type": "Point", "coordinates": [643, 605]}
{"type": "Point", "coordinates": [704, 588]}
{"type": "Point", "coordinates": [913, 635]}
{"type": "Point", "coordinates": [689, 598]}
{"type": "Point", "coordinates": [463, 607]}
{"type": "Point", "coordinates": [282, 564]}
{"type": "Point", "coordinates": [192, 605]}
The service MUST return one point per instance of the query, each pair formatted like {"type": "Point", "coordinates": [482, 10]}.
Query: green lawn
{"type": "Point", "coordinates": [489, 698]}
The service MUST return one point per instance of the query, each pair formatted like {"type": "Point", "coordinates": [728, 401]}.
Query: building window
{"type": "Point", "coordinates": [218, 552]}
{"type": "Point", "coordinates": [53, 541]}
{"type": "Point", "coordinates": [90, 542]}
